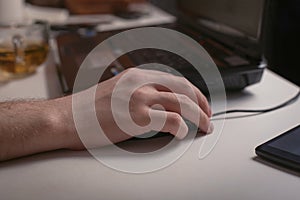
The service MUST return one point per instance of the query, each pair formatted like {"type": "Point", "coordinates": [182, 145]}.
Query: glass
{"type": "Point", "coordinates": [23, 48]}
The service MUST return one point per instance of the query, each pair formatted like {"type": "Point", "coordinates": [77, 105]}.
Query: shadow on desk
{"type": "Point", "coordinates": [239, 95]}
{"type": "Point", "coordinates": [132, 146]}
{"type": "Point", "coordinates": [277, 167]}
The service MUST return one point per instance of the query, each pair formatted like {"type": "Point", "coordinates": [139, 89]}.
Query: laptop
{"type": "Point", "coordinates": [231, 32]}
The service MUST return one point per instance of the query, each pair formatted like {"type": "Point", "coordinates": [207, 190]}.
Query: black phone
{"type": "Point", "coordinates": [283, 150]}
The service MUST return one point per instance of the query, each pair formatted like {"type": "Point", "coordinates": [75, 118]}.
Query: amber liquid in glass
{"type": "Point", "coordinates": [33, 55]}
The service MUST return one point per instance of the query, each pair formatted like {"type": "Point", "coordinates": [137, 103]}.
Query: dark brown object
{"type": "Point", "coordinates": [98, 6]}
{"type": "Point", "coordinates": [48, 3]}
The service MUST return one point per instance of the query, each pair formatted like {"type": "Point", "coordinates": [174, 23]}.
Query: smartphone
{"type": "Point", "coordinates": [283, 150]}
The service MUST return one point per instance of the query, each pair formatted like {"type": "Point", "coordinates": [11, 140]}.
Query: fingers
{"type": "Point", "coordinates": [178, 97]}
{"type": "Point", "coordinates": [202, 101]}
{"type": "Point", "coordinates": [184, 106]}
{"type": "Point", "coordinates": [182, 86]}
{"type": "Point", "coordinates": [174, 123]}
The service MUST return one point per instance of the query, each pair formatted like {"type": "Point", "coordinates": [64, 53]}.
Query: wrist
{"type": "Point", "coordinates": [62, 122]}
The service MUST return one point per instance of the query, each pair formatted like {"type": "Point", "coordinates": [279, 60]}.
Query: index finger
{"type": "Point", "coordinates": [183, 86]}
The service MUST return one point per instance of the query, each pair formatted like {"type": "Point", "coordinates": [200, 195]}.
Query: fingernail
{"type": "Point", "coordinates": [210, 128]}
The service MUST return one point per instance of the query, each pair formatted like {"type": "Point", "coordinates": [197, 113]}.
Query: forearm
{"type": "Point", "coordinates": [31, 127]}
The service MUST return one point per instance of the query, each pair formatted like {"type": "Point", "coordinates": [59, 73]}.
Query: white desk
{"type": "Point", "coordinates": [229, 172]}
{"type": "Point", "coordinates": [42, 85]}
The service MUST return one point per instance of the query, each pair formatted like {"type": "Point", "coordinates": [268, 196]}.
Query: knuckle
{"type": "Point", "coordinates": [185, 81]}
{"type": "Point", "coordinates": [183, 99]}
{"type": "Point", "coordinates": [128, 71]}
{"type": "Point", "coordinates": [185, 102]}
{"type": "Point", "coordinates": [139, 94]}
{"type": "Point", "coordinates": [175, 119]}
{"type": "Point", "coordinates": [131, 70]}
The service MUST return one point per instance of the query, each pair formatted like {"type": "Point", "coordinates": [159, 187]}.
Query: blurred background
{"type": "Point", "coordinates": [281, 41]}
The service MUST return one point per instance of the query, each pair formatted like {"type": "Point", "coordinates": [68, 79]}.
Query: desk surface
{"type": "Point", "coordinates": [231, 170]}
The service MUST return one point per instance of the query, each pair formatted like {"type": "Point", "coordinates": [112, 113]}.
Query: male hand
{"type": "Point", "coordinates": [151, 104]}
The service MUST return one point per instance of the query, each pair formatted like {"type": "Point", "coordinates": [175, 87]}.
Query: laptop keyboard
{"type": "Point", "coordinates": [237, 72]}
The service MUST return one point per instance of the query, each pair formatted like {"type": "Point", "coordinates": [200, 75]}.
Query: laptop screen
{"type": "Point", "coordinates": [242, 15]}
